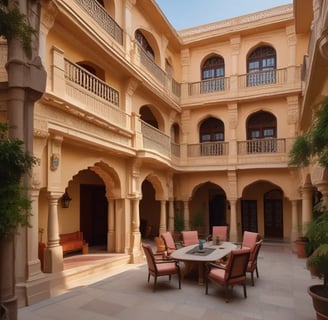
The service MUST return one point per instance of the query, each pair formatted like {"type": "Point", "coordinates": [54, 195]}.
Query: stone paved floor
{"type": "Point", "coordinates": [280, 293]}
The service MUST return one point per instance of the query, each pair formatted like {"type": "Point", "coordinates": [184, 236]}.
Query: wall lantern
{"type": "Point", "coordinates": [65, 200]}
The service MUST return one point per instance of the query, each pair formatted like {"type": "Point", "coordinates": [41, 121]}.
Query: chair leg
{"type": "Point", "coordinates": [155, 282]}
{"type": "Point", "coordinates": [245, 292]}
{"type": "Point", "coordinates": [257, 272]}
{"type": "Point", "coordinates": [179, 275]}
{"type": "Point", "coordinates": [206, 286]}
{"type": "Point", "coordinates": [252, 276]}
{"type": "Point", "coordinates": [148, 277]}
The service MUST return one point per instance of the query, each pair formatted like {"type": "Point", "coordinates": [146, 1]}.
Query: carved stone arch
{"type": "Point", "coordinates": [153, 43]}
{"type": "Point", "coordinates": [153, 116]}
{"type": "Point", "coordinates": [261, 121]}
{"type": "Point", "coordinates": [258, 45]}
{"type": "Point", "coordinates": [160, 192]}
{"type": "Point", "coordinates": [202, 184]}
{"type": "Point", "coordinates": [110, 178]}
{"type": "Point", "coordinates": [246, 184]}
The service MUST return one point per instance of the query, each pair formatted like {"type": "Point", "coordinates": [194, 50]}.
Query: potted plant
{"type": "Point", "coordinates": [317, 234]}
{"type": "Point", "coordinates": [14, 212]}
{"type": "Point", "coordinates": [312, 148]}
{"type": "Point", "coordinates": [178, 227]}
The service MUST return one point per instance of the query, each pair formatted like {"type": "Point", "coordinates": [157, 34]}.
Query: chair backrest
{"type": "Point", "coordinates": [237, 264]}
{"type": "Point", "coordinates": [255, 253]}
{"type": "Point", "coordinates": [221, 232]}
{"type": "Point", "coordinates": [249, 240]}
{"type": "Point", "coordinates": [190, 237]}
{"type": "Point", "coordinates": [150, 257]}
{"type": "Point", "coordinates": [168, 240]}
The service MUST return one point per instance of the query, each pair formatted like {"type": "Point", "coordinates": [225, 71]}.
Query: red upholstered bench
{"type": "Point", "coordinates": [73, 242]}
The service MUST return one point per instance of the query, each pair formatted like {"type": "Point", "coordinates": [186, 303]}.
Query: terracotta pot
{"type": "Point", "coordinates": [320, 303]}
{"type": "Point", "coordinates": [300, 248]}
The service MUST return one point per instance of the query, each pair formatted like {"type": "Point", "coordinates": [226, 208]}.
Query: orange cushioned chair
{"type": "Point", "coordinates": [252, 263]}
{"type": "Point", "coordinates": [249, 240]}
{"type": "Point", "coordinates": [158, 268]}
{"type": "Point", "coordinates": [233, 273]}
{"type": "Point", "coordinates": [170, 245]}
{"type": "Point", "coordinates": [189, 237]}
{"type": "Point", "coordinates": [221, 232]}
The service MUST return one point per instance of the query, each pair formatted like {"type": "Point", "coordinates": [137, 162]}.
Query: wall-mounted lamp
{"type": "Point", "coordinates": [65, 200]}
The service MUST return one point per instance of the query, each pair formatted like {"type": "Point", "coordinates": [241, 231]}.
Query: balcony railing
{"type": "Point", "coordinates": [99, 14]}
{"type": "Point", "coordinates": [176, 88]}
{"type": "Point", "coordinates": [175, 149]}
{"type": "Point", "coordinates": [208, 86]}
{"type": "Point", "coordinates": [208, 149]}
{"type": "Point", "coordinates": [150, 65]}
{"type": "Point", "coordinates": [94, 96]}
{"type": "Point", "coordinates": [154, 139]}
{"type": "Point", "coordinates": [262, 146]}
{"type": "Point", "coordinates": [262, 78]}
{"type": "Point", "coordinates": [87, 80]}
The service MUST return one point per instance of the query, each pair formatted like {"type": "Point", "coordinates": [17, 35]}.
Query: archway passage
{"type": "Point", "coordinates": [262, 210]}
{"type": "Point", "coordinates": [273, 214]}
{"type": "Point", "coordinates": [149, 210]}
{"type": "Point", "coordinates": [209, 203]}
{"type": "Point", "coordinates": [93, 214]}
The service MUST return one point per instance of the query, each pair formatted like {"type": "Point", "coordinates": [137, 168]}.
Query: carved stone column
{"type": "Point", "coordinates": [111, 226]}
{"type": "Point", "coordinates": [186, 214]}
{"type": "Point", "coordinates": [306, 205]}
{"type": "Point", "coordinates": [171, 215]}
{"type": "Point", "coordinates": [53, 254]}
{"type": "Point", "coordinates": [162, 225]}
{"type": "Point", "coordinates": [233, 221]}
{"type": "Point", "coordinates": [136, 254]}
{"type": "Point", "coordinates": [294, 224]}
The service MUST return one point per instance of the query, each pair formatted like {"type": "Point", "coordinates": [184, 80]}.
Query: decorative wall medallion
{"type": "Point", "coordinates": [54, 161]}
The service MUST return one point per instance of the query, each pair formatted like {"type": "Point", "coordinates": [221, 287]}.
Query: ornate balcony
{"type": "Point", "coordinates": [99, 14]}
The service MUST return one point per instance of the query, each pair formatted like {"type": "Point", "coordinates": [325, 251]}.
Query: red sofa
{"type": "Point", "coordinates": [73, 242]}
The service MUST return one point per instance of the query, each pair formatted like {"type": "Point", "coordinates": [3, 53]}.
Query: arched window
{"type": "Point", "coordinates": [213, 74]}
{"type": "Point", "coordinates": [261, 66]}
{"type": "Point", "coordinates": [211, 134]}
{"type": "Point", "coordinates": [211, 130]}
{"type": "Point", "coordinates": [262, 133]}
{"type": "Point", "coordinates": [147, 116]}
{"type": "Point", "coordinates": [144, 44]}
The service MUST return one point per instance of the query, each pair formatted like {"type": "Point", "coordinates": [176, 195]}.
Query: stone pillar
{"type": "Point", "coordinates": [233, 221]}
{"type": "Point", "coordinates": [53, 254]}
{"type": "Point", "coordinates": [136, 254]}
{"type": "Point", "coordinates": [162, 224]}
{"type": "Point", "coordinates": [171, 215]}
{"type": "Point", "coordinates": [186, 215]}
{"type": "Point", "coordinates": [294, 225]}
{"type": "Point", "coordinates": [306, 206]}
{"type": "Point", "coordinates": [111, 226]}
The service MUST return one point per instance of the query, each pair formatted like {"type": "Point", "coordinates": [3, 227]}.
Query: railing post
{"type": "Point", "coordinates": [136, 128]}
{"type": "Point", "coordinates": [58, 72]}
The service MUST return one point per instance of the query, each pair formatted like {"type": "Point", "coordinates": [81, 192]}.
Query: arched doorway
{"type": "Point", "coordinates": [273, 214]}
{"type": "Point", "coordinates": [209, 203]}
{"type": "Point", "coordinates": [149, 209]}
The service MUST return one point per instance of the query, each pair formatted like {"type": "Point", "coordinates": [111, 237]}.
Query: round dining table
{"type": "Point", "coordinates": [210, 252]}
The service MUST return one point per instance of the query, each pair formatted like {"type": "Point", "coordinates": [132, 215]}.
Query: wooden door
{"type": "Point", "coordinates": [93, 214]}
{"type": "Point", "coordinates": [273, 218]}
{"type": "Point", "coordinates": [249, 215]}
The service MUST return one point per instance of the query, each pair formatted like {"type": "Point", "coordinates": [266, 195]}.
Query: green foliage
{"type": "Point", "coordinates": [15, 24]}
{"type": "Point", "coordinates": [178, 222]}
{"type": "Point", "coordinates": [313, 144]}
{"type": "Point", "coordinates": [14, 203]}
{"type": "Point", "coordinates": [317, 234]}
{"type": "Point", "coordinates": [197, 220]}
